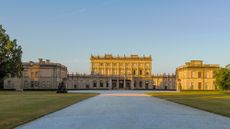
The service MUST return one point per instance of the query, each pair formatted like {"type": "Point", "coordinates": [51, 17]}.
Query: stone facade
{"type": "Point", "coordinates": [78, 81]}
{"type": "Point", "coordinates": [110, 72]}
{"type": "Point", "coordinates": [132, 66]}
{"type": "Point", "coordinates": [164, 81]}
{"type": "Point", "coordinates": [195, 75]}
{"type": "Point", "coordinates": [115, 72]}
{"type": "Point", "coordinates": [38, 75]}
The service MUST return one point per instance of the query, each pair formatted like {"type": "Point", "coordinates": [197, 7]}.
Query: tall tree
{"type": "Point", "coordinates": [10, 56]}
{"type": "Point", "coordinates": [223, 78]}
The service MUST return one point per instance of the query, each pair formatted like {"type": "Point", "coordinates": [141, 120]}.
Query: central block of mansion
{"type": "Point", "coordinates": [115, 72]}
{"type": "Point", "coordinates": [110, 72]}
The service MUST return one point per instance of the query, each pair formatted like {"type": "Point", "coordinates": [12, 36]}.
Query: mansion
{"type": "Point", "coordinates": [195, 75]}
{"type": "Point", "coordinates": [38, 75]}
{"type": "Point", "coordinates": [110, 72]}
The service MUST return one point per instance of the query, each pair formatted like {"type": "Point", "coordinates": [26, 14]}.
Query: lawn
{"type": "Point", "coordinates": [212, 101]}
{"type": "Point", "coordinates": [19, 107]}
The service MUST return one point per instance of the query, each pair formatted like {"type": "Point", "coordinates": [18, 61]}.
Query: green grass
{"type": "Point", "coordinates": [212, 101]}
{"type": "Point", "coordinates": [19, 107]}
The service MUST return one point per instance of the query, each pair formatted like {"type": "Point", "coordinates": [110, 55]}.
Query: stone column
{"type": "Point", "coordinates": [124, 83]}
{"type": "Point", "coordinates": [98, 84]}
{"type": "Point", "coordinates": [151, 84]}
{"type": "Point", "coordinates": [104, 83]}
{"type": "Point", "coordinates": [117, 83]}
{"type": "Point", "coordinates": [132, 84]}
{"type": "Point", "coordinates": [91, 84]}
{"type": "Point", "coordinates": [137, 84]}
{"type": "Point", "coordinates": [110, 83]}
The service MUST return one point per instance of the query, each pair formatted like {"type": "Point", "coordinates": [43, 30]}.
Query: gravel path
{"type": "Point", "coordinates": [128, 110]}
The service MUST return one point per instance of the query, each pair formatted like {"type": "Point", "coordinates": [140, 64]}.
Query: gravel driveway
{"type": "Point", "coordinates": [128, 110]}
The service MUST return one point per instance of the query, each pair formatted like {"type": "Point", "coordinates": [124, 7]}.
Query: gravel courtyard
{"type": "Point", "coordinates": [128, 110]}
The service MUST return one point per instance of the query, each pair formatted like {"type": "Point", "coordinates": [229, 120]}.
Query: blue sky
{"type": "Point", "coordinates": [69, 31]}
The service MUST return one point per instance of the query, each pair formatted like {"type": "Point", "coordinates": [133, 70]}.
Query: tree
{"type": "Point", "coordinates": [223, 78]}
{"type": "Point", "coordinates": [10, 56]}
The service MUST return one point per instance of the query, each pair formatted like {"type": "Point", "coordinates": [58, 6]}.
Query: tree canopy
{"type": "Point", "coordinates": [223, 78]}
{"type": "Point", "coordinates": [10, 56]}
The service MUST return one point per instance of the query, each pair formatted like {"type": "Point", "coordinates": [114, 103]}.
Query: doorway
{"type": "Point", "coordinates": [128, 84]}
{"type": "Point", "coordinates": [114, 84]}
{"type": "Point", "coordinates": [121, 84]}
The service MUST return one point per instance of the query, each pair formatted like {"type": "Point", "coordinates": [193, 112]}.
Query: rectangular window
{"type": "Point", "coordinates": [199, 85]}
{"type": "Point", "coordinates": [140, 72]}
{"type": "Point", "coordinates": [140, 83]}
{"type": "Point", "coordinates": [199, 75]}
{"type": "Point", "coordinates": [48, 83]}
{"type": "Point", "coordinates": [134, 72]}
{"type": "Point", "coordinates": [206, 86]}
{"type": "Point", "coordinates": [101, 84]}
{"type": "Point", "coordinates": [36, 83]}
{"type": "Point", "coordinates": [192, 85]}
{"type": "Point", "coordinates": [36, 74]}
{"type": "Point", "coordinates": [107, 84]}
{"type": "Point", "coordinates": [94, 84]}
{"type": "Point", "coordinates": [32, 84]}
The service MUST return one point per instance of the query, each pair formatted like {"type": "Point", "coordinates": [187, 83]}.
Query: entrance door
{"type": "Point", "coordinates": [128, 84]}
{"type": "Point", "coordinates": [114, 84]}
{"type": "Point", "coordinates": [146, 85]}
{"type": "Point", "coordinates": [121, 84]}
